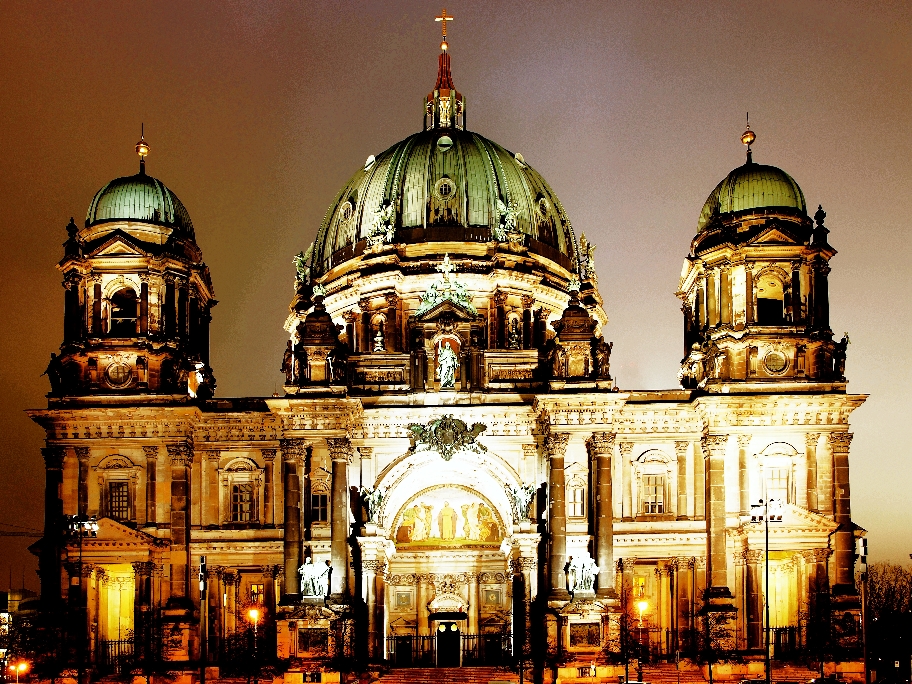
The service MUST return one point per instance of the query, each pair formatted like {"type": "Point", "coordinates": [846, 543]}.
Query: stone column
{"type": "Point", "coordinates": [340, 451]}
{"type": "Point", "coordinates": [754, 569]}
{"type": "Point", "coordinates": [151, 453]}
{"type": "Point", "coordinates": [743, 479]}
{"type": "Point", "coordinates": [500, 335]}
{"type": "Point", "coordinates": [364, 332]}
{"type": "Point", "coordinates": [82, 492]}
{"type": "Point", "coordinates": [627, 481]}
{"type": "Point", "coordinates": [49, 568]}
{"type": "Point", "coordinates": [716, 555]}
{"type": "Point", "coordinates": [392, 323]}
{"type": "Point", "coordinates": [474, 607]}
{"type": "Point", "coordinates": [810, 450]}
{"type": "Point", "coordinates": [844, 546]}
{"type": "Point", "coordinates": [601, 445]}
{"type": "Point", "coordinates": [527, 303]}
{"type": "Point", "coordinates": [712, 297]}
{"type": "Point", "coordinates": [181, 456]}
{"type": "Point", "coordinates": [421, 597]}
{"type": "Point", "coordinates": [725, 287]}
{"type": "Point", "coordinates": [681, 456]}
{"type": "Point", "coordinates": [699, 482]}
{"type": "Point", "coordinates": [293, 452]}
{"type": "Point", "coordinates": [269, 487]}
{"type": "Point", "coordinates": [825, 473]}
{"type": "Point", "coordinates": [373, 569]}
{"type": "Point", "coordinates": [556, 447]}
{"type": "Point", "coordinates": [142, 606]}
{"type": "Point", "coordinates": [96, 308]}
{"type": "Point", "coordinates": [212, 503]}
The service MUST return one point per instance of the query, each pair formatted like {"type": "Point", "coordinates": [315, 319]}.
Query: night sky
{"type": "Point", "coordinates": [258, 112]}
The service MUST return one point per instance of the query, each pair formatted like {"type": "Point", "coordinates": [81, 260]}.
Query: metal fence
{"type": "Point", "coordinates": [475, 649]}
{"type": "Point", "coordinates": [115, 657]}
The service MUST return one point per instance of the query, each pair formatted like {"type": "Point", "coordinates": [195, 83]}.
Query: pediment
{"type": "Point", "coordinates": [774, 236]}
{"type": "Point", "coordinates": [118, 245]}
{"type": "Point", "coordinates": [111, 532]}
{"type": "Point", "coordinates": [446, 306]}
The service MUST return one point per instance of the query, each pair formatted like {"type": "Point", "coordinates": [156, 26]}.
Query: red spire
{"type": "Point", "coordinates": [444, 77]}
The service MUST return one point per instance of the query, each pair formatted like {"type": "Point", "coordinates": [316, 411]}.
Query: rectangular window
{"type": "Point", "coordinates": [577, 502]}
{"type": "Point", "coordinates": [242, 502]}
{"type": "Point", "coordinates": [777, 484]}
{"type": "Point", "coordinates": [119, 500]}
{"type": "Point", "coordinates": [256, 593]}
{"type": "Point", "coordinates": [319, 507]}
{"type": "Point", "coordinates": [653, 494]}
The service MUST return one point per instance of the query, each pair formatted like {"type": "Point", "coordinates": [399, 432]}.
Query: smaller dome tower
{"type": "Point", "coordinates": [754, 286]}
{"type": "Point", "coordinates": [138, 296]}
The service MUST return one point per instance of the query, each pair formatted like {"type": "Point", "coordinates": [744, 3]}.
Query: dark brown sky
{"type": "Point", "coordinates": [258, 112]}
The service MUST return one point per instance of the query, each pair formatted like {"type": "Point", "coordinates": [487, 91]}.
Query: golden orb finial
{"type": "Point", "coordinates": [748, 137]}
{"type": "Point", "coordinates": [142, 149]}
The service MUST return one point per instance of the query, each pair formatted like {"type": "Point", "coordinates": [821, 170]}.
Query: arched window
{"type": "Point", "coordinates": [241, 492]}
{"type": "Point", "coordinates": [653, 476]}
{"type": "Point", "coordinates": [770, 300]}
{"type": "Point", "coordinates": [124, 313]}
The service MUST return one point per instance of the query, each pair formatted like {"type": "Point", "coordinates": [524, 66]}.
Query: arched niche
{"type": "Point", "coordinates": [448, 515]}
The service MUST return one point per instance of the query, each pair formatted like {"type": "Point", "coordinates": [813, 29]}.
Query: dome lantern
{"type": "Point", "coordinates": [444, 106]}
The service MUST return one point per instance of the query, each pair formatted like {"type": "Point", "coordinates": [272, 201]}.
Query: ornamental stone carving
{"type": "Point", "coordinates": [681, 449]}
{"type": "Point", "coordinates": [447, 436]}
{"type": "Point", "coordinates": [840, 441]}
{"type": "Point", "coordinates": [811, 439]}
{"type": "Point", "coordinates": [82, 453]}
{"type": "Point", "coordinates": [715, 444]}
{"type": "Point", "coordinates": [151, 452]}
{"type": "Point", "coordinates": [340, 449]}
{"type": "Point", "coordinates": [294, 449]}
{"type": "Point", "coordinates": [269, 454]}
{"type": "Point", "coordinates": [601, 443]}
{"type": "Point", "coordinates": [556, 444]}
{"type": "Point", "coordinates": [180, 454]}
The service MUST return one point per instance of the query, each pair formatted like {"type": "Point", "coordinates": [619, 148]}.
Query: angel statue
{"type": "Point", "coordinates": [302, 270]}
{"type": "Point", "coordinates": [372, 498]}
{"type": "Point", "coordinates": [508, 214]}
{"type": "Point", "coordinates": [520, 498]}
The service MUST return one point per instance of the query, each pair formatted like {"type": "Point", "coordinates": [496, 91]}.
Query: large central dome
{"type": "Point", "coordinates": [445, 184]}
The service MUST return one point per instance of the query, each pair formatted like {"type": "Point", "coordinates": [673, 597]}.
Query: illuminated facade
{"type": "Point", "coordinates": [451, 466]}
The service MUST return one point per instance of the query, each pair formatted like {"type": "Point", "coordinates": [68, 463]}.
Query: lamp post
{"type": "Point", "coordinates": [254, 615]}
{"type": "Point", "coordinates": [768, 510]}
{"type": "Point", "coordinates": [79, 526]}
{"type": "Point", "coordinates": [642, 605]}
{"type": "Point", "coordinates": [19, 668]}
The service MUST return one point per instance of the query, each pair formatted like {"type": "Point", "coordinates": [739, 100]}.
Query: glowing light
{"type": "Point", "coordinates": [254, 615]}
{"type": "Point", "coordinates": [642, 605]}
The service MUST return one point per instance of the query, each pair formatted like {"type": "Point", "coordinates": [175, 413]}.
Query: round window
{"type": "Point", "coordinates": [445, 189]}
{"type": "Point", "coordinates": [444, 142]}
{"type": "Point", "coordinates": [118, 374]}
{"type": "Point", "coordinates": [775, 362]}
{"type": "Point", "coordinates": [345, 213]}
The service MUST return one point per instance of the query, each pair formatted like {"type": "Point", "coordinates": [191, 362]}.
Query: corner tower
{"type": "Point", "coordinates": [138, 296]}
{"type": "Point", "coordinates": [754, 286]}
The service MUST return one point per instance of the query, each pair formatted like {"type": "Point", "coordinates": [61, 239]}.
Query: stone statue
{"type": "Point", "coordinates": [558, 359]}
{"type": "Point", "coordinates": [338, 361]}
{"type": "Point", "coordinates": [447, 363]}
{"type": "Point", "coordinates": [379, 342]}
{"type": "Point", "coordinates": [603, 359]}
{"type": "Point", "coordinates": [514, 338]}
{"type": "Point", "coordinates": [302, 270]}
{"type": "Point", "coordinates": [583, 572]}
{"type": "Point", "coordinates": [521, 497]}
{"type": "Point", "coordinates": [372, 499]}
{"type": "Point", "coordinates": [508, 214]}
{"type": "Point", "coordinates": [839, 356]}
{"type": "Point", "coordinates": [313, 579]}
{"type": "Point", "coordinates": [288, 364]}
{"type": "Point", "coordinates": [54, 371]}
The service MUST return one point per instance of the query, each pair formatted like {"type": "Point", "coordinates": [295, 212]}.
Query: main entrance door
{"type": "Point", "coordinates": [448, 645]}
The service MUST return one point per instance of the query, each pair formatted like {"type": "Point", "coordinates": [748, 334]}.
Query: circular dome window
{"type": "Point", "coordinates": [345, 213]}
{"type": "Point", "coordinates": [118, 374]}
{"type": "Point", "coordinates": [775, 362]}
{"type": "Point", "coordinates": [444, 142]}
{"type": "Point", "coordinates": [445, 189]}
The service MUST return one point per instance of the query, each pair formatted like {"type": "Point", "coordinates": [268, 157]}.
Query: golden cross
{"type": "Point", "coordinates": [443, 18]}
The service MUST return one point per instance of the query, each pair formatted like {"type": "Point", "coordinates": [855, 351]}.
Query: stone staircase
{"type": "Point", "coordinates": [447, 675]}
{"type": "Point", "coordinates": [787, 672]}
{"type": "Point", "coordinates": [666, 673]}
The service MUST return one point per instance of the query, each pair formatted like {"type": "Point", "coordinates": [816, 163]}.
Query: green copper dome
{"type": "Point", "coordinates": [440, 185]}
{"type": "Point", "coordinates": [139, 198]}
{"type": "Point", "coordinates": [752, 186]}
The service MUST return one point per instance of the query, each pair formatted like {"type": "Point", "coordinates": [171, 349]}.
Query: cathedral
{"type": "Point", "coordinates": [450, 476]}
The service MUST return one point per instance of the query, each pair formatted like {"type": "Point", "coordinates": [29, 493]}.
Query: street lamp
{"type": "Point", "coordinates": [80, 526]}
{"type": "Point", "coordinates": [19, 668]}
{"type": "Point", "coordinates": [642, 605]}
{"type": "Point", "coordinates": [254, 615]}
{"type": "Point", "coordinates": [767, 511]}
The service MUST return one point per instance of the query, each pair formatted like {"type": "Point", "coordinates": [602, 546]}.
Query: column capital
{"type": "Point", "coordinates": [294, 449]}
{"type": "Point", "coordinates": [376, 565]}
{"type": "Point", "coordinates": [53, 456]}
{"type": "Point", "coordinates": [82, 453]}
{"type": "Point", "coordinates": [753, 556]}
{"type": "Point", "coordinates": [364, 304]}
{"type": "Point", "coordinates": [811, 439]}
{"type": "Point", "coordinates": [350, 316]}
{"type": "Point", "coordinates": [601, 443]}
{"type": "Point", "coordinates": [681, 449]}
{"type": "Point", "coordinates": [840, 441]}
{"type": "Point", "coordinates": [744, 440]}
{"type": "Point", "coordinates": [528, 301]}
{"type": "Point", "coordinates": [143, 568]}
{"type": "Point", "coordinates": [269, 454]}
{"type": "Point", "coordinates": [392, 299]}
{"type": "Point", "coordinates": [151, 452]}
{"type": "Point", "coordinates": [180, 454]}
{"type": "Point", "coordinates": [715, 443]}
{"type": "Point", "coordinates": [821, 555]}
{"type": "Point", "coordinates": [366, 452]}
{"type": "Point", "coordinates": [499, 298]}
{"type": "Point", "coordinates": [340, 449]}
{"type": "Point", "coordinates": [556, 444]}
{"type": "Point", "coordinates": [626, 448]}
